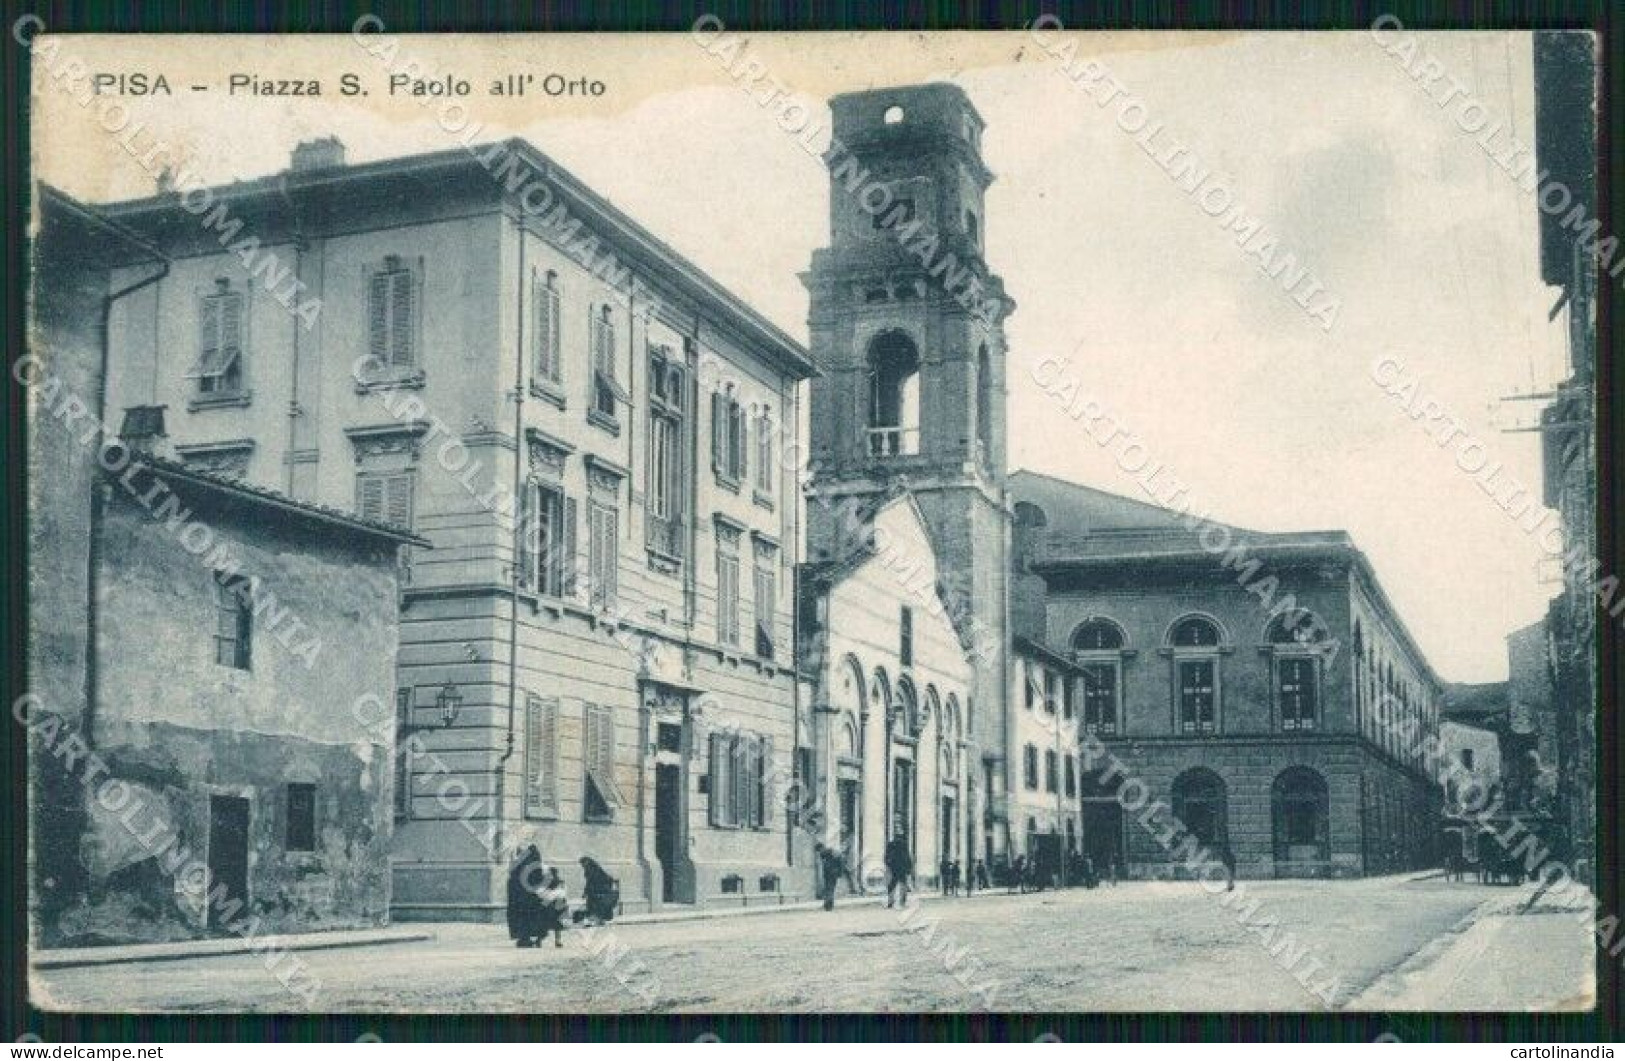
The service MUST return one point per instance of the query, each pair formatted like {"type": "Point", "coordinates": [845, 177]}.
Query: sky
{"type": "Point", "coordinates": [1273, 420]}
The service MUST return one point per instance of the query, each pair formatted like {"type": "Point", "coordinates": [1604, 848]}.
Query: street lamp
{"type": "Point", "coordinates": [450, 701]}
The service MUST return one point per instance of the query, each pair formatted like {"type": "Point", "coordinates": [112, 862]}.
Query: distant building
{"type": "Point", "coordinates": [1286, 718]}
{"type": "Point", "coordinates": [1047, 691]}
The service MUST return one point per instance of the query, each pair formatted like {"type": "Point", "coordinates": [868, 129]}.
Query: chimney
{"type": "Point", "coordinates": [143, 430]}
{"type": "Point", "coordinates": [326, 153]}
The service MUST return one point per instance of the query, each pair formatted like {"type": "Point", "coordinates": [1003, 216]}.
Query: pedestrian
{"type": "Point", "coordinates": [831, 868]}
{"type": "Point", "coordinates": [943, 884]}
{"type": "Point", "coordinates": [982, 880]}
{"type": "Point", "coordinates": [555, 901]}
{"type": "Point", "coordinates": [1089, 878]}
{"type": "Point", "coordinates": [601, 892]}
{"type": "Point", "coordinates": [953, 878]}
{"type": "Point", "coordinates": [525, 915]}
{"type": "Point", "coordinates": [899, 868]}
{"type": "Point", "coordinates": [1018, 875]}
{"type": "Point", "coordinates": [1228, 857]}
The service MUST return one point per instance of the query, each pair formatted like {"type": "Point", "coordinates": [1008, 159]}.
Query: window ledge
{"type": "Point", "coordinates": [549, 392]}
{"type": "Point", "coordinates": [663, 562]}
{"type": "Point", "coordinates": [605, 421]}
{"type": "Point", "coordinates": [762, 500]}
{"type": "Point", "coordinates": [235, 400]}
{"type": "Point", "coordinates": [401, 381]}
{"type": "Point", "coordinates": [727, 482]}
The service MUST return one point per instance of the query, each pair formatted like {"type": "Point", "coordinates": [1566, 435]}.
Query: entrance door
{"type": "Point", "coordinates": [228, 859]}
{"type": "Point", "coordinates": [902, 801]}
{"type": "Point", "coordinates": [946, 820]}
{"type": "Point", "coordinates": [668, 831]}
{"type": "Point", "coordinates": [847, 793]}
{"type": "Point", "coordinates": [1103, 834]}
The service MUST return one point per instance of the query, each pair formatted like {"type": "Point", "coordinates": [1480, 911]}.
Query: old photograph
{"type": "Point", "coordinates": [732, 522]}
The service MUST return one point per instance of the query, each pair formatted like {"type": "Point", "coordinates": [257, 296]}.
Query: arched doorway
{"type": "Point", "coordinates": [1199, 804]}
{"type": "Point", "coordinates": [1298, 811]}
{"type": "Point", "coordinates": [1102, 823]}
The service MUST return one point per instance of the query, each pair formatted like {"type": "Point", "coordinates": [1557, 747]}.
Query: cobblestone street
{"type": "Point", "coordinates": [1390, 943]}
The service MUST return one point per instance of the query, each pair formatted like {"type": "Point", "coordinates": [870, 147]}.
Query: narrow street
{"type": "Point", "coordinates": [1136, 947]}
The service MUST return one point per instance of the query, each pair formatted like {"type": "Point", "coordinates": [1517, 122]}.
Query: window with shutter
{"type": "Point", "coordinates": [385, 498]}
{"type": "Point", "coordinates": [764, 452]}
{"type": "Point", "coordinates": [541, 756]}
{"type": "Point", "coordinates": [603, 558]}
{"type": "Point", "coordinates": [743, 763]}
{"type": "Point", "coordinates": [601, 797]}
{"type": "Point", "coordinates": [765, 604]}
{"type": "Point", "coordinates": [234, 624]}
{"type": "Point", "coordinates": [569, 549]}
{"type": "Point", "coordinates": [714, 779]}
{"type": "Point", "coordinates": [767, 791]}
{"type": "Point", "coordinates": [403, 753]}
{"type": "Point", "coordinates": [220, 342]}
{"type": "Point", "coordinates": [392, 317]}
{"type": "Point", "coordinates": [547, 360]}
{"type": "Point", "coordinates": [606, 388]}
{"type": "Point", "coordinates": [727, 598]}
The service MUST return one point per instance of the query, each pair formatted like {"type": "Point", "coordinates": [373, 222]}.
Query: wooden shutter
{"type": "Point", "coordinates": [606, 755]}
{"type": "Point", "coordinates": [208, 336]}
{"type": "Point", "coordinates": [402, 295]}
{"type": "Point", "coordinates": [541, 756]}
{"type": "Point", "coordinates": [768, 774]}
{"type": "Point", "coordinates": [528, 534]}
{"type": "Point", "coordinates": [717, 432]}
{"type": "Point", "coordinates": [544, 323]}
{"type": "Point", "coordinates": [370, 497]}
{"type": "Point", "coordinates": [231, 328]}
{"type": "Point", "coordinates": [378, 319]}
{"type": "Point", "coordinates": [569, 557]}
{"type": "Point", "coordinates": [398, 500]}
{"type": "Point", "coordinates": [714, 779]}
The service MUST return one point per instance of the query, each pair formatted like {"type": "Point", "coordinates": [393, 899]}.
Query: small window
{"type": "Point", "coordinates": [603, 554]}
{"type": "Point", "coordinates": [547, 359]}
{"type": "Point", "coordinates": [727, 596]}
{"type": "Point", "coordinates": [972, 229]}
{"type": "Point", "coordinates": [764, 453]}
{"type": "Point", "coordinates": [1051, 770]}
{"type": "Point", "coordinates": [893, 115]}
{"type": "Point", "coordinates": [905, 648]}
{"type": "Point", "coordinates": [219, 369]}
{"type": "Point", "coordinates": [898, 215]}
{"type": "Point", "coordinates": [728, 436]}
{"type": "Point", "coordinates": [1467, 758]}
{"type": "Point", "coordinates": [1071, 776]}
{"type": "Point", "coordinates": [766, 592]}
{"type": "Point", "coordinates": [601, 795]}
{"type": "Point", "coordinates": [301, 834]}
{"type": "Point", "coordinates": [392, 317]}
{"type": "Point", "coordinates": [1029, 767]}
{"type": "Point", "coordinates": [234, 624]}
{"type": "Point", "coordinates": [733, 884]}
{"type": "Point", "coordinates": [606, 386]}
{"type": "Point", "coordinates": [385, 498]}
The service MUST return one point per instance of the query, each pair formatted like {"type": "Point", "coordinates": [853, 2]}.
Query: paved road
{"type": "Point", "coordinates": [1141, 946]}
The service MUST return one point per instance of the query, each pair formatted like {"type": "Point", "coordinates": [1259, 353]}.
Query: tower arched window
{"type": "Point", "coordinates": [894, 396]}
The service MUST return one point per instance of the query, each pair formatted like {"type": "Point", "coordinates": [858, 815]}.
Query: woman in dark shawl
{"type": "Point", "coordinates": [526, 915]}
{"type": "Point", "coordinates": [599, 890]}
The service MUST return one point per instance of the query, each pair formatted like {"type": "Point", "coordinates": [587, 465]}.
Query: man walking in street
{"type": "Point", "coordinates": [831, 867]}
{"type": "Point", "coordinates": [899, 868]}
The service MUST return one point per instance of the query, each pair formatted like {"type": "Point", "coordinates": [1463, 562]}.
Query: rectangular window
{"type": "Point", "coordinates": [727, 437]}
{"type": "Point", "coordinates": [1030, 689]}
{"type": "Point", "coordinates": [403, 753]}
{"type": "Point", "coordinates": [905, 647]}
{"type": "Point", "coordinates": [1029, 767]}
{"type": "Point", "coordinates": [392, 317]}
{"type": "Point", "coordinates": [1295, 689]}
{"type": "Point", "coordinates": [1196, 696]}
{"type": "Point", "coordinates": [668, 481]}
{"type": "Point", "coordinates": [1071, 775]}
{"type": "Point", "coordinates": [234, 624]}
{"type": "Point", "coordinates": [545, 347]}
{"type": "Point", "coordinates": [720, 779]}
{"type": "Point", "coordinates": [385, 498]}
{"type": "Point", "coordinates": [546, 539]}
{"type": "Point", "coordinates": [301, 834]}
{"type": "Point", "coordinates": [766, 589]}
{"type": "Point", "coordinates": [1051, 692]}
{"type": "Point", "coordinates": [606, 387]}
{"type": "Point", "coordinates": [727, 597]}
{"type": "Point", "coordinates": [764, 453]}
{"type": "Point", "coordinates": [600, 797]}
{"type": "Point", "coordinates": [1051, 770]}
{"type": "Point", "coordinates": [541, 756]}
{"type": "Point", "coordinates": [219, 368]}
{"type": "Point", "coordinates": [1100, 698]}
{"type": "Point", "coordinates": [741, 780]}
{"type": "Point", "coordinates": [603, 554]}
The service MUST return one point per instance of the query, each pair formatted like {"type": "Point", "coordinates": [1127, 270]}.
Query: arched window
{"type": "Point", "coordinates": [1294, 639]}
{"type": "Point", "coordinates": [1199, 804]}
{"type": "Point", "coordinates": [1298, 805]}
{"type": "Point", "coordinates": [984, 401]}
{"type": "Point", "coordinates": [893, 115]}
{"type": "Point", "coordinates": [894, 395]}
{"type": "Point", "coordinates": [908, 708]}
{"type": "Point", "coordinates": [1194, 643]}
{"type": "Point", "coordinates": [1097, 645]}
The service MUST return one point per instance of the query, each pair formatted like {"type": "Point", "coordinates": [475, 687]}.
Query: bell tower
{"type": "Point", "coordinates": [907, 329]}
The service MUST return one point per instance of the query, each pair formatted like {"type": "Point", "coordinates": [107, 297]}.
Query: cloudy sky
{"type": "Point", "coordinates": [1273, 421]}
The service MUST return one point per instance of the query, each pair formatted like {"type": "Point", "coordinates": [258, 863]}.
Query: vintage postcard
{"type": "Point", "coordinates": [713, 521]}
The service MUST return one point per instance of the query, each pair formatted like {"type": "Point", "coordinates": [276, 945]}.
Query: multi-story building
{"type": "Point", "coordinates": [1566, 90]}
{"type": "Point", "coordinates": [596, 652]}
{"type": "Point", "coordinates": [1266, 692]}
{"type": "Point", "coordinates": [1045, 693]}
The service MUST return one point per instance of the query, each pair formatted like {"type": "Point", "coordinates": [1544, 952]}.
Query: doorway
{"type": "Point", "coordinates": [847, 795]}
{"type": "Point", "coordinates": [668, 831]}
{"type": "Point", "coordinates": [946, 820]}
{"type": "Point", "coordinates": [228, 861]}
{"type": "Point", "coordinates": [1103, 834]}
{"type": "Point", "coordinates": [902, 801]}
